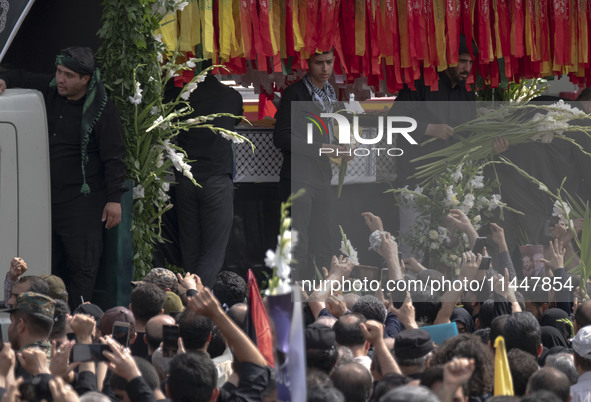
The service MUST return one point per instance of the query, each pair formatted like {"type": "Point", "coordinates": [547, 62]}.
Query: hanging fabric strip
{"type": "Point", "coordinates": [360, 19]}
{"type": "Point", "coordinates": [529, 29]}
{"type": "Point", "coordinates": [439, 21]}
{"type": "Point", "coordinates": [517, 15]}
{"type": "Point", "coordinates": [404, 35]}
{"type": "Point", "coordinates": [372, 45]}
{"type": "Point", "coordinates": [246, 29]}
{"type": "Point", "coordinates": [265, 28]}
{"type": "Point", "coordinates": [311, 27]}
{"type": "Point", "coordinates": [452, 17]}
{"type": "Point", "coordinates": [431, 36]}
{"type": "Point", "coordinates": [327, 24]}
{"type": "Point", "coordinates": [189, 34]}
{"type": "Point", "coordinates": [237, 49]}
{"type": "Point", "coordinates": [207, 31]}
{"type": "Point", "coordinates": [226, 24]}
{"type": "Point", "coordinates": [541, 11]}
{"type": "Point", "coordinates": [485, 51]}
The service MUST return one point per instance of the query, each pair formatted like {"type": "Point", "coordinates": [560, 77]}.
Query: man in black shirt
{"type": "Point", "coordinates": [205, 213]}
{"type": "Point", "coordinates": [436, 113]}
{"type": "Point", "coordinates": [86, 160]}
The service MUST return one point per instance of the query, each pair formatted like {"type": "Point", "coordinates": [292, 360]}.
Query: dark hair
{"type": "Point", "coordinates": [522, 331]}
{"type": "Point", "coordinates": [582, 362]}
{"type": "Point", "coordinates": [237, 313]}
{"type": "Point", "coordinates": [38, 284]}
{"type": "Point", "coordinates": [229, 288]}
{"type": "Point", "coordinates": [354, 381]}
{"type": "Point", "coordinates": [322, 359]}
{"type": "Point", "coordinates": [371, 308]}
{"type": "Point", "coordinates": [483, 334]}
{"type": "Point", "coordinates": [325, 394]}
{"type": "Point", "coordinates": [216, 346]}
{"type": "Point", "coordinates": [194, 329]}
{"type": "Point", "coordinates": [583, 314]}
{"type": "Point", "coordinates": [522, 366]}
{"type": "Point", "coordinates": [37, 325]}
{"type": "Point", "coordinates": [146, 301]}
{"type": "Point", "coordinates": [388, 382]}
{"type": "Point", "coordinates": [487, 313]}
{"type": "Point", "coordinates": [550, 379]}
{"type": "Point", "coordinates": [59, 319]}
{"type": "Point", "coordinates": [192, 377]}
{"type": "Point", "coordinates": [148, 372]}
{"type": "Point", "coordinates": [347, 331]}
{"type": "Point", "coordinates": [468, 346]}
{"type": "Point", "coordinates": [317, 378]}
{"type": "Point", "coordinates": [496, 327]}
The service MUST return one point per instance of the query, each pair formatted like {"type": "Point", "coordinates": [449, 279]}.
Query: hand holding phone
{"type": "Point", "coordinates": [121, 332]}
{"type": "Point", "coordinates": [90, 352]}
{"type": "Point", "coordinates": [479, 245]}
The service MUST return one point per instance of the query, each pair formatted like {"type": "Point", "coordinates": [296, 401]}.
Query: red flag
{"type": "Point", "coordinates": [259, 329]}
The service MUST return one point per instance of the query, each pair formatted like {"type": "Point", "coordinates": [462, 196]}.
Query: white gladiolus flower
{"type": "Point", "coordinates": [163, 196]}
{"type": "Point", "coordinates": [138, 192]}
{"type": "Point", "coordinates": [477, 181]}
{"type": "Point", "coordinates": [136, 99]}
{"type": "Point", "coordinates": [457, 175]}
{"type": "Point", "coordinates": [419, 190]}
{"type": "Point", "coordinates": [165, 186]}
{"type": "Point", "coordinates": [451, 199]}
{"type": "Point", "coordinates": [191, 62]}
{"type": "Point", "coordinates": [434, 246]}
{"type": "Point", "coordinates": [231, 137]}
{"type": "Point", "coordinates": [495, 202]}
{"type": "Point", "coordinates": [433, 235]}
{"type": "Point", "coordinates": [188, 90]}
{"type": "Point", "coordinates": [468, 203]}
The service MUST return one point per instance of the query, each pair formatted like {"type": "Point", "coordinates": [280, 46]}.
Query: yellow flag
{"type": "Point", "coordinates": [503, 380]}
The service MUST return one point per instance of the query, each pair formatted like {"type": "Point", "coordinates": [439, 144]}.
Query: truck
{"type": "Point", "coordinates": [25, 203]}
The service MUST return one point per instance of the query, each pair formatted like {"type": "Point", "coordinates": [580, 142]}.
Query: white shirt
{"type": "Point", "coordinates": [581, 391]}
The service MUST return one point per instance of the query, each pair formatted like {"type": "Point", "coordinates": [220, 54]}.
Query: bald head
{"type": "Point", "coordinates": [154, 325]}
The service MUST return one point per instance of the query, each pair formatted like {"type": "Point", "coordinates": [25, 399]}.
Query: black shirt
{"type": "Point", "coordinates": [105, 170]}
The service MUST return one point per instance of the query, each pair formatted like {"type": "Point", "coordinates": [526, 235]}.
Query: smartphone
{"type": "Point", "coordinates": [121, 332]}
{"type": "Point", "coordinates": [88, 353]}
{"type": "Point", "coordinates": [170, 338]}
{"type": "Point", "coordinates": [479, 245]}
{"type": "Point", "coordinates": [485, 263]}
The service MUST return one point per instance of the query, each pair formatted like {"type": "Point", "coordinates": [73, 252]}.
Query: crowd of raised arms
{"type": "Point", "coordinates": [359, 346]}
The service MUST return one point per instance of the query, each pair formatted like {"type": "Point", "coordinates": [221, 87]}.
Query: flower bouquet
{"type": "Point", "coordinates": [518, 123]}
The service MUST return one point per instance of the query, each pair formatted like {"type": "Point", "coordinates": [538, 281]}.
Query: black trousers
{"type": "Point", "coordinates": [311, 218]}
{"type": "Point", "coordinates": [205, 216]}
{"type": "Point", "coordinates": [77, 243]}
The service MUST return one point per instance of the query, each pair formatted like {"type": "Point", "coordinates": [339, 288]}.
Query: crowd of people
{"type": "Point", "coordinates": [359, 346]}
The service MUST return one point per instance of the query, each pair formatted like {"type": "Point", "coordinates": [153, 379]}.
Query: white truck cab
{"type": "Point", "coordinates": [25, 195]}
